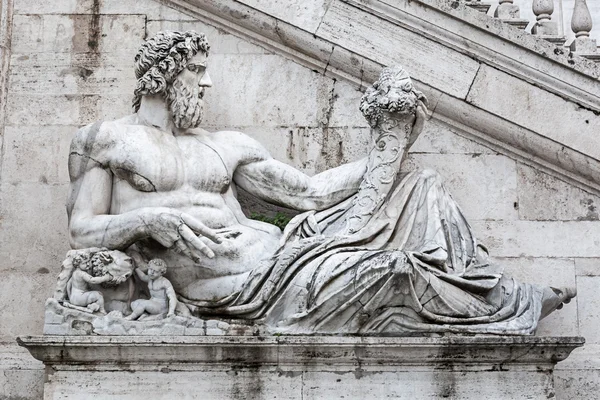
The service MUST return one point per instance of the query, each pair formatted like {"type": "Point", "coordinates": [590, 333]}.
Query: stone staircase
{"type": "Point", "coordinates": [544, 27]}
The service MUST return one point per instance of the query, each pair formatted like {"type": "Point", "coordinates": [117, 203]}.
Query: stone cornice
{"type": "Point", "coordinates": [469, 40]}
{"type": "Point", "coordinates": [300, 350]}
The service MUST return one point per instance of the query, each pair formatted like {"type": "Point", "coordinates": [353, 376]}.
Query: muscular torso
{"type": "Point", "coordinates": [191, 173]}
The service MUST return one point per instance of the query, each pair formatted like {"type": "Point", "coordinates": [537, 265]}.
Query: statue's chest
{"type": "Point", "coordinates": [165, 163]}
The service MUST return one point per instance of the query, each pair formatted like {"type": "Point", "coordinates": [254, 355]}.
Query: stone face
{"type": "Point", "coordinates": [539, 239]}
{"type": "Point", "coordinates": [61, 81]}
{"type": "Point", "coordinates": [544, 197]}
{"type": "Point", "coordinates": [47, 33]}
{"type": "Point", "coordinates": [215, 259]}
{"type": "Point", "coordinates": [589, 313]}
{"type": "Point", "coordinates": [308, 367]}
{"type": "Point", "coordinates": [587, 266]}
{"type": "Point", "coordinates": [484, 185]}
{"type": "Point", "coordinates": [43, 235]}
{"type": "Point", "coordinates": [579, 376]}
{"type": "Point", "coordinates": [22, 377]}
{"type": "Point", "coordinates": [535, 114]}
{"type": "Point", "coordinates": [33, 152]}
{"type": "Point", "coordinates": [371, 37]}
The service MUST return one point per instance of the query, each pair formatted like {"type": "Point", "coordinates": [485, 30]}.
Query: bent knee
{"type": "Point", "coordinates": [430, 174]}
{"type": "Point", "coordinates": [401, 264]}
{"type": "Point", "coordinates": [96, 296]}
{"type": "Point", "coordinates": [137, 303]}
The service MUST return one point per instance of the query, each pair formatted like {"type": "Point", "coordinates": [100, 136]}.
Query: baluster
{"type": "Point", "coordinates": [581, 24]}
{"type": "Point", "coordinates": [507, 10]}
{"type": "Point", "coordinates": [544, 25]}
{"type": "Point", "coordinates": [481, 6]}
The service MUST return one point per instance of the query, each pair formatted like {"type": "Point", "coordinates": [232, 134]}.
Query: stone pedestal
{"type": "Point", "coordinates": [227, 367]}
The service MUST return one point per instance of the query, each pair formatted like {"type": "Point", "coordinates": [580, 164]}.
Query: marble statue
{"type": "Point", "coordinates": [162, 295]}
{"type": "Point", "coordinates": [84, 269]}
{"type": "Point", "coordinates": [374, 251]}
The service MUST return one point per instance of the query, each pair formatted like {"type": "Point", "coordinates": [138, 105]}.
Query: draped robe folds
{"type": "Point", "coordinates": [415, 266]}
{"type": "Point", "coordinates": [396, 258]}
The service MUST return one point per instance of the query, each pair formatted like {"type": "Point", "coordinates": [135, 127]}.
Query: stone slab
{"type": "Point", "coordinates": [578, 377]}
{"type": "Point", "coordinates": [544, 197]}
{"type": "Point", "coordinates": [299, 367]}
{"type": "Point", "coordinates": [534, 108]}
{"type": "Point", "coordinates": [34, 215]}
{"type": "Point", "coordinates": [37, 154]}
{"type": "Point", "coordinates": [151, 8]}
{"type": "Point", "coordinates": [21, 294]}
{"type": "Point", "coordinates": [304, 14]}
{"type": "Point", "coordinates": [244, 80]}
{"type": "Point", "coordinates": [221, 42]}
{"type": "Point", "coordinates": [57, 33]}
{"type": "Point", "coordinates": [67, 73]}
{"type": "Point", "coordinates": [587, 266]}
{"type": "Point", "coordinates": [589, 307]}
{"type": "Point", "coordinates": [483, 185]}
{"type": "Point", "coordinates": [386, 43]}
{"type": "Point", "coordinates": [540, 238]}
{"type": "Point", "coordinates": [439, 137]}
{"type": "Point", "coordinates": [78, 110]}
{"type": "Point", "coordinates": [21, 376]}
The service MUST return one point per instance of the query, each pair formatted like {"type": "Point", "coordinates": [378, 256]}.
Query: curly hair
{"type": "Point", "coordinates": [158, 265]}
{"type": "Point", "coordinates": [393, 92]}
{"type": "Point", "coordinates": [161, 58]}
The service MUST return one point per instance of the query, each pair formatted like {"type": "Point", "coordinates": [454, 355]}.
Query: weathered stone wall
{"type": "Point", "coordinates": [71, 64]}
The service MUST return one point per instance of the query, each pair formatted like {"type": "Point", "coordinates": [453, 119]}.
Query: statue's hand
{"type": "Point", "coordinates": [119, 279]}
{"type": "Point", "coordinates": [179, 231]}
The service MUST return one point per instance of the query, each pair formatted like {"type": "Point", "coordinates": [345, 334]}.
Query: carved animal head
{"type": "Point", "coordinates": [101, 261]}
{"type": "Point", "coordinates": [394, 93]}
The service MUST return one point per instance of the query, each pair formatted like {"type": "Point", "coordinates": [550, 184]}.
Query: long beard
{"type": "Point", "coordinates": [186, 104]}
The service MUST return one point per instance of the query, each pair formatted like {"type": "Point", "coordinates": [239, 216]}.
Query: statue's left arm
{"type": "Point", "coordinates": [281, 184]}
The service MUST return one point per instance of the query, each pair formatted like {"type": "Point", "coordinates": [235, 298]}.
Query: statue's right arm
{"type": "Point", "coordinates": [94, 280]}
{"type": "Point", "coordinates": [88, 205]}
{"type": "Point", "coordinates": [141, 275]}
{"type": "Point", "coordinates": [92, 225]}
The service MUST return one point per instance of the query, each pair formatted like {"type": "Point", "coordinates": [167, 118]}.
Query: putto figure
{"type": "Point", "coordinates": [84, 268]}
{"type": "Point", "coordinates": [376, 251]}
{"type": "Point", "coordinates": [162, 300]}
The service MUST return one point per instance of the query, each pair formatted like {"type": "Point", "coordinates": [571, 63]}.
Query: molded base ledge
{"type": "Point", "coordinates": [227, 367]}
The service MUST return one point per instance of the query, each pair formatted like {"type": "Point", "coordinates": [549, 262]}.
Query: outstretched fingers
{"type": "Point", "coordinates": [194, 243]}
{"type": "Point", "coordinates": [180, 246]}
{"type": "Point", "coordinates": [199, 228]}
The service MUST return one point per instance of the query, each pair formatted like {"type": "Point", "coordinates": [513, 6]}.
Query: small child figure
{"type": "Point", "coordinates": [162, 295]}
{"type": "Point", "coordinates": [79, 288]}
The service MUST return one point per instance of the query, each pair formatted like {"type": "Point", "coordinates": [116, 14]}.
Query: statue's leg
{"type": "Point", "coordinates": [155, 307]}
{"type": "Point", "coordinates": [96, 301]}
{"type": "Point", "coordinates": [138, 307]}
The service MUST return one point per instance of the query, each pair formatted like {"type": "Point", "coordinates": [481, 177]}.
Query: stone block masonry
{"type": "Point", "coordinates": [69, 64]}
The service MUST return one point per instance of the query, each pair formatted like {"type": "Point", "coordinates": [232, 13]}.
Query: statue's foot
{"type": "Point", "coordinates": [93, 307]}
{"type": "Point", "coordinates": [565, 294]}
{"type": "Point", "coordinates": [555, 298]}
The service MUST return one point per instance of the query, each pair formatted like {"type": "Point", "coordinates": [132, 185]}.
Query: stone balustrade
{"type": "Point", "coordinates": [546, 22]}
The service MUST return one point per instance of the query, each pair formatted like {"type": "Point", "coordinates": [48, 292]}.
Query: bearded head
{"type": "Point", "coordinates": [158, 65]}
